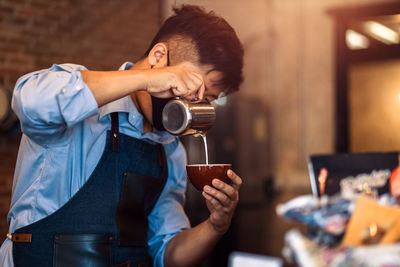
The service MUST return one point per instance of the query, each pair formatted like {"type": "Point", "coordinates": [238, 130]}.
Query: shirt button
{"type": "Point", "coordinates": [64, 91]}
{"type": "Point", "coordinates": [78, 87]}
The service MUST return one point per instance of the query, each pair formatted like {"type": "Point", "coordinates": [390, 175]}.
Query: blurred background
{"type": "Point", "coordinates": [320, 77]}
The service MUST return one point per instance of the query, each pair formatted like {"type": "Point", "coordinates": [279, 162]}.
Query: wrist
{"type": "Point", "coordinates": [217, 230]}
{"type": "Point", "coordinates": [140, 77]}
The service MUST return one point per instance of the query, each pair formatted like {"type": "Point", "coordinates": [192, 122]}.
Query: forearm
{"type": "Point", "coordinates": [191, 246]}
{"type": "Point", "coordinates": [108, 86]}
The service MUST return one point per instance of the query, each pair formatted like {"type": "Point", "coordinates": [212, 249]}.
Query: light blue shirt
{"type": "Point", "coordinates": [64, 134]}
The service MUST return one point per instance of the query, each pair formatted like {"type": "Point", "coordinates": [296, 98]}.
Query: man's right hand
{"type": "Point", "coordinates": [172, 81]}
{"type": "Point", "coordinates": [164, 82]}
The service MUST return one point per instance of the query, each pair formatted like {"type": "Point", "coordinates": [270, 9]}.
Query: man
{"type": "Point", "coordinates": [97, 181]}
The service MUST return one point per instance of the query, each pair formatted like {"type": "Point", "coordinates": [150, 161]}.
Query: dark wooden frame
{"type": "Point", "coordinates": [344, 57]}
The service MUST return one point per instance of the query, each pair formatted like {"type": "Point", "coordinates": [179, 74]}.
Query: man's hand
{"type": "Point", "coordinates": [172, 81]}
{"type": "Point", "coordinates": [222, 200]}
{"type": "Point", "coordinates": [165, 82]}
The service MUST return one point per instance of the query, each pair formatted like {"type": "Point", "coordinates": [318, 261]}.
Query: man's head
{"type": "Point", "coordinates": [204, 39]}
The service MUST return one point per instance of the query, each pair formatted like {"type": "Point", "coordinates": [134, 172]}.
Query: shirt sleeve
{"type": "Point", "coordinates": [50, 100]}
{"type": "Point", "coordinates": [168, 216]}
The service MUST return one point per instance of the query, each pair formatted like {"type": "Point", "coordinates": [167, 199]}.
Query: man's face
{"type": "Point", "coordinates": [213, 85]}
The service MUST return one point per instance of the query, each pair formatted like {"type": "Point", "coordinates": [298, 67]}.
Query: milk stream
{"type": "Point", "coordinates": [205, 147]}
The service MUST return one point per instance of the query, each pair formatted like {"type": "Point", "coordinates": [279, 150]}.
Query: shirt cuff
{"type": "Point", "coordinates": [158, 256]}
{"type": "Point", "coordinates": [76, 100]}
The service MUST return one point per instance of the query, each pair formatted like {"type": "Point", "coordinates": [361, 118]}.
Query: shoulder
{"type": "Point", "coordinates": [69, 67]}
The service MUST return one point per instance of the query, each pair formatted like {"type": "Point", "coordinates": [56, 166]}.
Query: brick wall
{"type": "Point", "coordinates": [34, 34]}
{"type": "Point", "coordinates": [8, 152]}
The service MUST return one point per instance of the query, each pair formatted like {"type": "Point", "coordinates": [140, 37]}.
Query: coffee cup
{"type": "Point", "coordinates": [202, 174]}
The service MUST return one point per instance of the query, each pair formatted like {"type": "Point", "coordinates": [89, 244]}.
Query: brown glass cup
{"type": "Point", "coordinates": [202, 174]}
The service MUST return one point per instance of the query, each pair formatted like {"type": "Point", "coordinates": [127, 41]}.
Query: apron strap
{"type": "Point", "coordinates": [162, 160]}
{"type": "Point", "coordinates": [114, 132]}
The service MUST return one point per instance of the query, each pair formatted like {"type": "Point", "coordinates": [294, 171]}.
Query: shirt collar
{"type": "Point", "coordinates": [126, 105]}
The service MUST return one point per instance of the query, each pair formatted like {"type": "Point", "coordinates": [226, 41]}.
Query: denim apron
{"type": "Point", "coordinates": [105, 223]}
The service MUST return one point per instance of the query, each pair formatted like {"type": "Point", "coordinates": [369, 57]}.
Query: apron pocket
{"type": "Point", "coordinates": [83, 250]}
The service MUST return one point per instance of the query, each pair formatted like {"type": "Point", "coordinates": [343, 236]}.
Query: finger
{"type": "Point", "coordinates": [236, 180]}
{"type": "Point", "coordinates": [201, 90]}
{"type": "Point", "coordinates": [191, 83]}
{"type": "Point", "coordinates": [198, 85]}
{"type": "Point", "coordinates": [215, 203]}
{"type": "Point", "coordinates": [227, 189]}
{"type": "Point", "coordinates": [212, 200]}
{"type": "Point", "coordinates": [223, 199]}
{"type": "Point", "coordinates": [176, 91]}
{"type": "Point", "coordinates": [179, 88]}
{"type": "Point", "coordinates": [163, 94]}
{"type": "Point", "coordinates": [193, 97]}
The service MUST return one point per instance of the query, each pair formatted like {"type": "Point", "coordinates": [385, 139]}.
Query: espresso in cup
{"type": "Point", "coordinates": [202, 174]}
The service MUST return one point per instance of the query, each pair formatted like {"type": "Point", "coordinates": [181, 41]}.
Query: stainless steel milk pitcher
{"type": "Point", "coordinates": [181, 117]}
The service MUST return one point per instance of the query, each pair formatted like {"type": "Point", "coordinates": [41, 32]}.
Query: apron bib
{"type": "Point", "coordinates": [105, 223]}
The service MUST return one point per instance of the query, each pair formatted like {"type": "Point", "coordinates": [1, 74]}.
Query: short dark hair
{"type": "Point", "coordinates": [216, 41]}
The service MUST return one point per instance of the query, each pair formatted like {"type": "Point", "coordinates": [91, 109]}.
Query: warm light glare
{"type": "Point", "coordinates": [398, 96]}
{"type": "Point", "coordinates": [382, 33]}
{"type": "Point", "coordinates": [355, 40]}
{"type": "Point", "coordinates": [373, 229]}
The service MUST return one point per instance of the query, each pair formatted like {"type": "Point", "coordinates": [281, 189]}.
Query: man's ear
{"type": "Point", "coordinates": [158, 55]}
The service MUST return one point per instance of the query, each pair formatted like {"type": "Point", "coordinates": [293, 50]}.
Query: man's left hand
{"type": "Point", "coordinates": [221, 199]}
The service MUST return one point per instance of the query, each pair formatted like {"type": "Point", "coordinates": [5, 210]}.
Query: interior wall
{"type": "Point", "coordinates": [374, 98]}
{"type": "Point", "coordinates": [289, 70]}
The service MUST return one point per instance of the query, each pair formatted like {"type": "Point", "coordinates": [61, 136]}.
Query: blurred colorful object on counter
{"type": "Point", "coordinates": [372, 223]}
